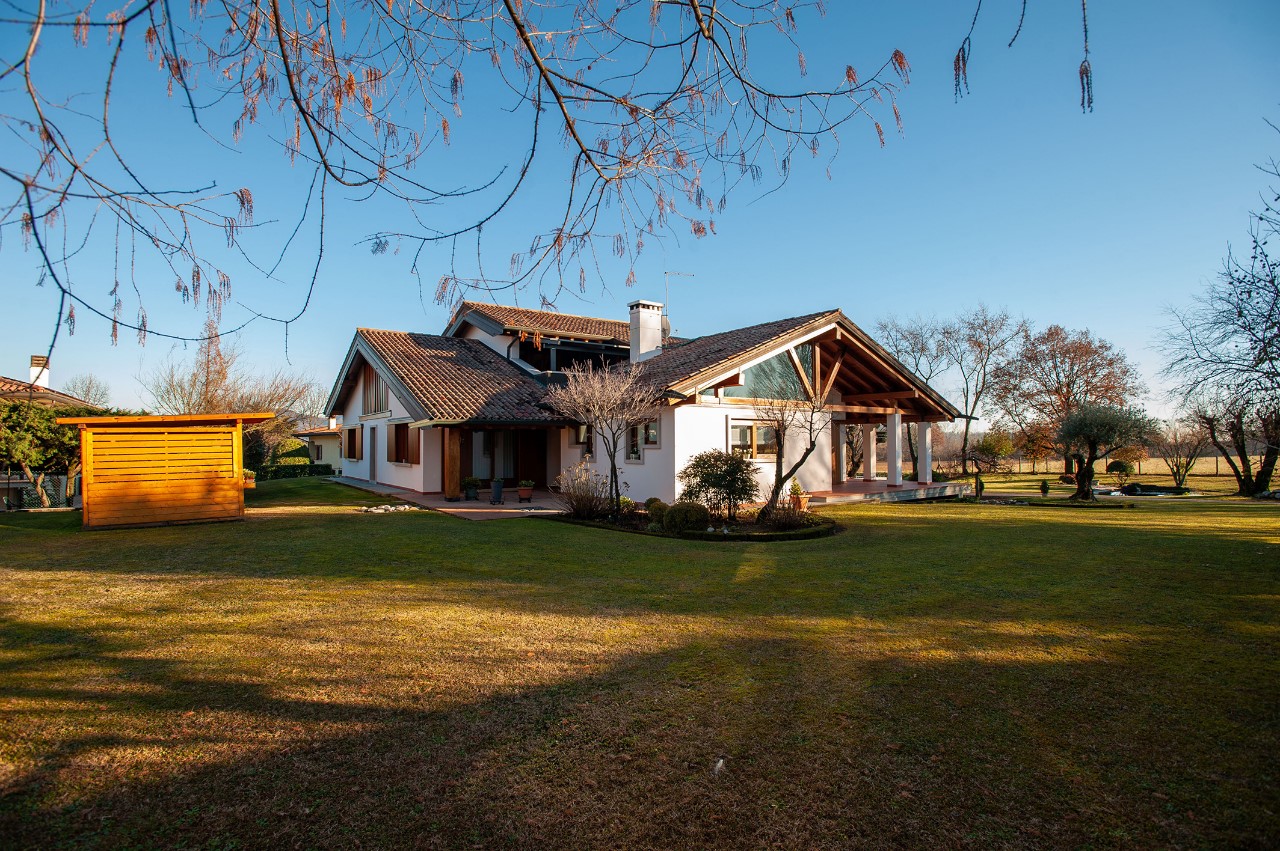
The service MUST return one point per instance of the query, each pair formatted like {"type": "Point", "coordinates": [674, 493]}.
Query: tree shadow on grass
{"type": "Point", "coordinates": [823, 743]}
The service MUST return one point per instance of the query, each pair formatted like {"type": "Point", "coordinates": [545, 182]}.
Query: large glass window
{"type": "Point", "coordinates": [754, 440]}
{"type": "Point", "coordinates": [776, 377]}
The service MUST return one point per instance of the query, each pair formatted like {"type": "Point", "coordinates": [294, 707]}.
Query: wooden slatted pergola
{"type": "Point", "coordinates": [155, 470]}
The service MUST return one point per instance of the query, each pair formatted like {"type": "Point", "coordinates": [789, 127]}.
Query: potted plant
{"type": "Point", "coordinates": [495, 496]}
{"type": "Point", "coordinates": [471, 488]}
{"type": "Point", "coordinates": [799, 499]}
{"type": "Point", "coordinates": [525, 490]}
{"type": "Point", "coordinates": [250, 479]}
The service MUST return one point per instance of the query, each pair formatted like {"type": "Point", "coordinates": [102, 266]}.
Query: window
{"type": "Point", "coordinates": [633, 443]}
{"type": "Point", "coordinates": [585, 437]}
{"type": "Point", "coordinates": [353, 443]}
{"type": "Point", "coordinates": [319, 452]}
{"type": "Point", "coordinates": [753, 440]}
{"type": "Point", "coordinates": [376, 397]}
{"type": "Point", "coordinates": [403, 445]}
{"type": "Point", "coordinates": [651, 434]}
{"type": "Point", "coordinates": [776, 377]}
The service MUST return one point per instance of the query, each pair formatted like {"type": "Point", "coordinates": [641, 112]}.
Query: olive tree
{"type": "Point", "coordinates": [1093, 432]}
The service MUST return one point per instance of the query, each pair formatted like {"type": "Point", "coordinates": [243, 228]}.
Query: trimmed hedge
{"type": "Point", "coordinates": [657, 509]}
{"type": "Point", "coordinates": [293, 471]}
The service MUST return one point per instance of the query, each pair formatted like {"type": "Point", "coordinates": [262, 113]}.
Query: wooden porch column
{"type": "Point", "coordinates": [924, 451]}
{"type": "Point", "coordinates": [893, 448]}
{"type": "Point", "coordinates": [451, 480]}
{"type": "Point", "coordinates": [842, 452]}
{"type": "Point", "coordinates": [869, 452]}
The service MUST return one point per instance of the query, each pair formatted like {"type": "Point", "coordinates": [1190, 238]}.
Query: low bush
{"type": "Point", "coordinates": [293, 471]}
{"type": "Point", "coordinates": [685, 516]}
{"type": "Point", "coordinates": [720, 480]}
{"type": "Point", "coordinates": [1067, 479]}
{"type": "Point", "coordinates": [657, 509]}
{"type": "Point", "coordinates": [785, 519]}
{"type": "Point", "coordinates": [1125, 467]}
{"type": "Point", "coordinates": [583, 492]}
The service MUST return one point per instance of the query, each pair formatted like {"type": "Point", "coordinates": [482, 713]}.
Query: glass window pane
{"type": "Point", "coordinates": [766, 442]}
{"type": "Point", "coordinates": [651, 434]}
{"type": "Point", "coordinates": [740, 439]}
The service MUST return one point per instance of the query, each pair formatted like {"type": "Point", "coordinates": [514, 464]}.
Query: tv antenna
{"type": "Point", "coordinates": [666, 298]}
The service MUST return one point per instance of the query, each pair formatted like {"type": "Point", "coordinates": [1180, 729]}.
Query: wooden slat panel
{"type": "Point", "coordinates": [140, 476]}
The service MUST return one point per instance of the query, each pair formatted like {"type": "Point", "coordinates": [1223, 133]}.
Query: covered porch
{"type": "Point", "coordinates": [508, 451]}
{"type": "Point", "coordinates": [879, 490]}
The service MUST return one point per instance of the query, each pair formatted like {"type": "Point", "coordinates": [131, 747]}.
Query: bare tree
{"type": "Point", "coordinates": [1224, 352]}
{"type": "Point", "coordinates": [976, 344]}
{"type": "Point", "coordinates": [789, 404]}
{"type": "Point", "coordinates": [918, 343]}
{"type": "Point", "coordinates": [1180, 443]}
{"type": "Point", "coordinates": [214, 382]}
{"type": "Point", "coordinates": [610, 402]}
{"type": "Point", "coordinates": [89, 388]}
{"type": "Point", "coordinates": [646, 113]}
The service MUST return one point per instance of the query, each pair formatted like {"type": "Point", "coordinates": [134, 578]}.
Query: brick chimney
{"type": "Point", "coordinates": [40, 371]}
{"type": "Point", "coordinates": [646, 330]}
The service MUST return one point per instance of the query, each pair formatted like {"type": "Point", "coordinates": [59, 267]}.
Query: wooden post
{"type": "Point", "coordinates": [452, 474]}
{"type": "Point", "coordinates": [86, 472]}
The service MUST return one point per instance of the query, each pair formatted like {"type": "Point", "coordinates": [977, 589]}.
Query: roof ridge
{"type": "Point", "coordinates": [482, 305]}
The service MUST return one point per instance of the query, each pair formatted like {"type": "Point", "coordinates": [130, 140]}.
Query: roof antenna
{"type": "Point", "coordinates": [666, 299]}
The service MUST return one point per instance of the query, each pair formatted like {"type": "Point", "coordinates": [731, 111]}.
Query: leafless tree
{"type": "Point", "coordinates": [90, 388]}
{"type": "Point", "coordinates": [215, 382]}
{"type": "Point", "coordinates": [1180, 443]}
{"type": "Point", "coordinates": [1224, 351]}
{"type": "Point", "coordinates": [918, 343]}
{"type": "Point", "coordinates": [789, 404]}
{"type": "Point", "coordinates": [648, 113]}
{"type": "Point", "coordinates": [610, 401]}
{"type": "Point", "coordinates": [976, 344]}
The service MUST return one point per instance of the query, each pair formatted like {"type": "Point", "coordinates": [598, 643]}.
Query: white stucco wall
{"type": "Point", "coordinates": [376, 428]}
{"type": "Point", "coordinates": [687, 430]}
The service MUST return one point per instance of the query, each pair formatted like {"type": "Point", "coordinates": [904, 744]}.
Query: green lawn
{"type": "Point", "coordinates": [1030, 482]}
{"type": "Point", "coordinates": [935, 675]}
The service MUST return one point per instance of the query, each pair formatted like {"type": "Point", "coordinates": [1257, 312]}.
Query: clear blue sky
{"type": "Point", "coordinates": [1011, 196]}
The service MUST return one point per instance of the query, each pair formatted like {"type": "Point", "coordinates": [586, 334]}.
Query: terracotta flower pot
{"type": "Point", "coordinates": [800, 503]}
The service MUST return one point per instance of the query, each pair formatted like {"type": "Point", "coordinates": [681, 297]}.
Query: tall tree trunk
{"type": "Point", "coordinates": [911, 450]}
{"type": "Point", "coordinates": [37, 480]}
{"type": "Point", "coordinates": [964, 449]}
{"type": "Point", "coordinates": [1084, 475]}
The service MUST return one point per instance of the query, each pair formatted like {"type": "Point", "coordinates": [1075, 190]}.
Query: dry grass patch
{"type": "Point", "coordinates": [956, 675]}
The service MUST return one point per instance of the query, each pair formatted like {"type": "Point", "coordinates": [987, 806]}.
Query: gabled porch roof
{"type": "Point", "coordinates": [853, 372]}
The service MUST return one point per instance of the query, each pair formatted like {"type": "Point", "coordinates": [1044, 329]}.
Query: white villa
{"type": "Point", "coordinates": [424, 411]}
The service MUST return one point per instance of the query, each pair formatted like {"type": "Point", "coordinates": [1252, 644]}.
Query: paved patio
{"type": "Point", "coordinates": [544, 502]}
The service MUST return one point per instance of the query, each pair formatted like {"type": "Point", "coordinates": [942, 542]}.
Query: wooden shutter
{"type": "Point", "coordinates": [413, 440]}
{"type": "Point", "coordinates": [359, 443]}
{"type": "Point", "coordinates": [393, 443]}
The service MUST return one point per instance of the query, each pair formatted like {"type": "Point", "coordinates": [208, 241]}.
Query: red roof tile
{"type": "Point", "coordinates": [549, 322]}
{"type": "Point", "coordinates": [456, 380]}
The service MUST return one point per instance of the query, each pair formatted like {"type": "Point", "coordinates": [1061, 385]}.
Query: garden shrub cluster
{"type": "Point", "coordinates": [721, 481]}
{"type": "Point", "coordinates": [288, 452]}
{"type": "Point", "coordinates": [657, 509]}
{"type": "Point", "coordinates": [584, 493]}
{"type": "Point", "coordinates": [686, 516]}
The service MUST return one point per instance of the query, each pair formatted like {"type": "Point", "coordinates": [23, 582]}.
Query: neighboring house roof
{"type": "Point", "coordinates": [545, 322]}
{"type": "Point", "coordinates": [446, 380]}
{"type": "Point", "coordinates": [319, 431]}
{"type": "Point", "coordinates": [12, 388]}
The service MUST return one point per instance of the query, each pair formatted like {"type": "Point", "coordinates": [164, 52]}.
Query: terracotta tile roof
{"type": "Point", "coordinates": [550, 322]}
{"type": "Point", "coordinates": [702, 354]}
{"type": "Point", "coordinates": [457, 380]}
{"type": "Point", "coordinates": [12, 388]}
